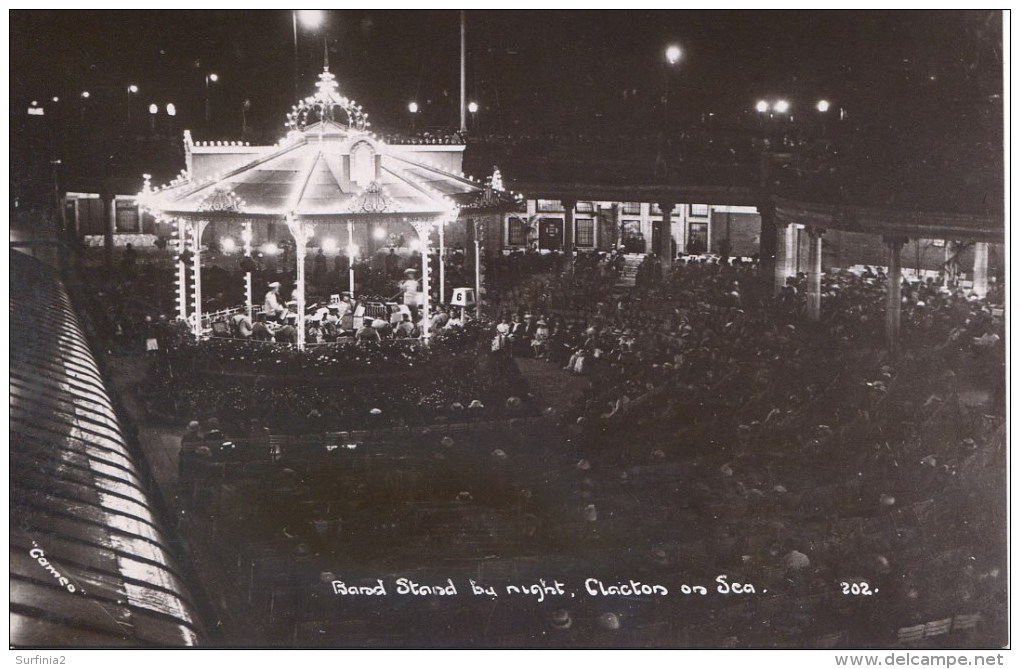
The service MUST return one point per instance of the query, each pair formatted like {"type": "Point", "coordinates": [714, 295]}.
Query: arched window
{"type": "Point", "coordinates": [362, 164]}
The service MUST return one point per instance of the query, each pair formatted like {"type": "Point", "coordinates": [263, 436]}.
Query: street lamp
{"type": "Point", "coordinates": [413, 108]}
{"type": "Point", "coordinates": [822, 106]}
{"type": "Point", "coordinates": [132, 89]}
{"type": "Point", "coordinates": [673, 54]}
{"type": "Point", "coordinates": [171, 109]}
{"type": "Point", "coordinates": [84, 96]}
{"type": "Point", "coordinates": [153, 110]}
{"type": "Point", "coordinates": [781, 106]}
{"type": "Point", "coordinates": [762, 106]}
{"type": "Point", "coordinates": [212, 77]}
{"type": "Point", "coordinates": [473, 108]}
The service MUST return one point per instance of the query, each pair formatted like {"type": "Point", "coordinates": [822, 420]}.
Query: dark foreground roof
{"type": "Point", "coordinates": [90, 565]}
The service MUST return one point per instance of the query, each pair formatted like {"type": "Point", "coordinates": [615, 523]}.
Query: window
{"type": "Point", "coordinates": [585, 232]}
{"type": "Point", "coordinates": [127, 216]}
{"type": "Point", "coordinates": [362, 164]}
{"type": "Point", "coordinates": [633, 208]}
{"type": "Point", "coordinates": [550, 205]}
{"type": "Point", "coordinates": [699, 210]}
{"type": "Point", "coordinates": [585, 208]}
{"type": "Point", "coordinates": [518, 232]}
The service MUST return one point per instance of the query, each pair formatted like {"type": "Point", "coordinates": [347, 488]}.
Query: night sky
{"type": "Point", "coordinates": [529, 70]}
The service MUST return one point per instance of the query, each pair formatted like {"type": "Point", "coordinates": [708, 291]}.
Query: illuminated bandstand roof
{"type": "Point", "coordinates": [325, 169]}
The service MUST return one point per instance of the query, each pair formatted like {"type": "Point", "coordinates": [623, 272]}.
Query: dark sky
{"type": "Point", "coordinates": [527, 69]}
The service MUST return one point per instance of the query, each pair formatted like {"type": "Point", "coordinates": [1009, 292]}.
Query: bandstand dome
{"type": "Point", "coordinates": [329, 170]}
{"type": "Point", "coordinates": [326, 171]}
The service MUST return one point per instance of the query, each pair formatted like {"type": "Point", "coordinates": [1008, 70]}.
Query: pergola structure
{"type": "Point", "coordinates": [329, 174]}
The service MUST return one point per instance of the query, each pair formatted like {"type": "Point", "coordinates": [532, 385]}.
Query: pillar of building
{"type": "Point", "coordinates": [893, 296]}
{"type": "Point", "coordinates": [198, 227]}
{"type": "Point", "coordinates": [181, 284]}
{"type": "Point", "coordinates": [814, 290]}
{"type": "Point", "coordinates": [568, 231]}
{"type": "Point", "coordinates": [300, 231]}
{"type": "Point", "coordinates": [618, 224]}
{"type": "Point", "coordinates": [109, 227]}
{"type": "Point", "coordinates": [424, 230]}
{"type": "Point", "coordinates": [442, 261]}
{"type": "Point", "coordinates": [246, 237]}
{"type": "Point", "coordinates": [767, 242]}
{"type": "Point", "coordinates": [782, 258]}
{"type": "Point", "coordinates": [792, 251]}
{"type": "Point", "coordinates": [665, 250]}
{"type": "Point", "coordinates": [980, 269]}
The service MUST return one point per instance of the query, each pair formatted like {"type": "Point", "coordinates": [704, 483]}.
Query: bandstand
{"type": "Point", "coordinates": [331, 178]}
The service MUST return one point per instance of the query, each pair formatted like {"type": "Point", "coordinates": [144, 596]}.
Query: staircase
{"type": "Point", "coordinates": [628, 276]}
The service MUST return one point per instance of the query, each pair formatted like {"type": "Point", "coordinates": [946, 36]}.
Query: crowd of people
{"type": "Point", "coordinates": [722, 431]}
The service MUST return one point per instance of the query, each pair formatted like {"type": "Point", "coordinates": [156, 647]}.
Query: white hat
{"type": "Point", "coordinates": [274, 284]}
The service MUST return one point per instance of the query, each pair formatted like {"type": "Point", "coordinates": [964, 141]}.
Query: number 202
{"type": "Point", "coordinates": [856, 588]}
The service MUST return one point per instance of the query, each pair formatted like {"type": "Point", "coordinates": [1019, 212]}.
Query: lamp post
{"type": "Point", "coordinates": [210, 78]}
{"type": "Point", "coordinates": [351, 253]}
{"type": "Point", "coordinates": [673, 56]}
{"type": "Point", "coordinates": [310, 19]}
{"type": "Point", "coordinates": [84, 96]}
{"type": "Point", "coordinates": [478, 273]}
{"type": "Point", "coordinates": [153, 110]}
{"type": "Point", "coordinates": [473, 108]}
{"type": "Point", "coordinates": [131, 90]}
{"type": "Point", "coordinates": [413, 108]}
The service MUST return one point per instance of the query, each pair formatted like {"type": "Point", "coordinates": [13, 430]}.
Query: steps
{"type": "Point", "coordinates": [628, 277]}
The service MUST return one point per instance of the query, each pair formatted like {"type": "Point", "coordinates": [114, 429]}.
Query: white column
{"type": "Point", "coordinates": [196, 269]}
{"type": "Point", "coordinates": [478, 277]}
{"type": "Point", "coordinates": [424, 228]}
{"type": "Point", "coordinates": [442, 262]}
{"type": "Point", "coordinates": [246, 236]}
{"type": "Point", "coordinates": [814, 291]}
{"type": "Point", "coordinates": [350, 256]}
{"type": "Point", "coordinates": [182, 271]}
{"type": "Point", "coordinates": [980, 269]}
{"type": "Point", "coordinates": [791, 250]}
{"type": "Point", "coordinates": [300, 231]}
{"type": "Point", "coordinates": [894, 293]}
{"type": "Point", "coordinates": [782, 257]}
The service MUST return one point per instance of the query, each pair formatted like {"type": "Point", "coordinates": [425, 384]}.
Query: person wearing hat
{"type": "Point", "coordinates": [272, 307]}
{"type": "Point", "coordinates": [540, 340]}
{"type": "Point", "coordinates": [241, 325]}
{"type": "Point", "coordinates": [367, 334]}
{"type": "Point", "coordinates": [260, 330]}
{"type": "Point", "coordinates": [288, 333]}
{"type": "Point", "coordinates": [190, 441]}
{"type": "Point", "coordinates": [313, 330]}
{"type": "Point", "coordinates": [500, 343]}
{"type": "Point", "coordinates": [519, 339]}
